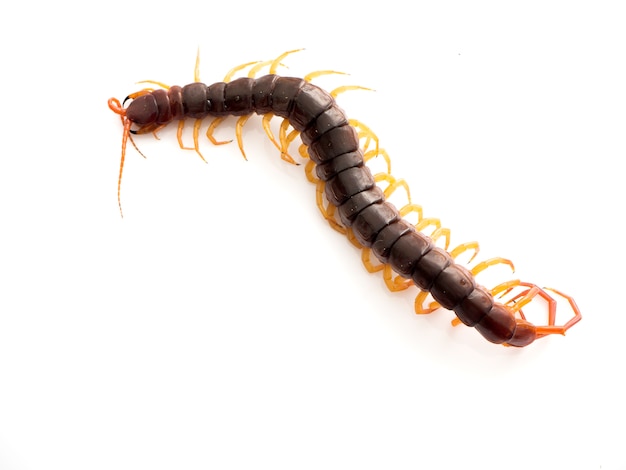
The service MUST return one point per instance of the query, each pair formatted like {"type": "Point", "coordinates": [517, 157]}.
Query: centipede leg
{"type": "Point", "coordinates": [364, 132]}
{"type": "Point", "coordinates": [575, 319]}
{"type": "Point", "coordinates": [196, 145]}
{"type": "Point", "coordinates": [318, 73]}
{"type": "Point", "coordinates": [309, 170]}
{"type": "Point", "coordinates": [438, 232]}
{"type": "Point", "coordinates": [179, 136]}
{"type": "Point", "coordinates": [231, 73]}
{"type": "Point", "coordinates": [327, 211]}
{"type": "Point", "coordinates": [366, 259]}
{"type": "Point", "coordinates": [239, 133]}
{"type": "Point", "coordinates": [480, 267]}
{"type": "Point", "coordinates": [419, 304]}
{"type": "Point", "coordinates": [519, 301]}
{"type": "Point", "coordinates": [267, 118]}
{"type": "Point", "coordinates": [352, 238]}
{"type": "Point", "coordinates": [209, 132]}
{"type": "Point", "coordinates": [392, 185]}
{"type": "Point", "coordinates": [342, 89]}
{"type": "Point", "coordinates": [370, 154]}
{"type": "Point", "coordinates": [276, 62]}
{"type": "Point", "coordinates": [459, 250]}
{"type": "Point", "coordinates": [148, 90]}
{"type": "Point", "coordinates": [284, 142]}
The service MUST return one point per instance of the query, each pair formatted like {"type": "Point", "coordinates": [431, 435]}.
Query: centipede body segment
{"type": "Point", "coordinates": [354, 202]}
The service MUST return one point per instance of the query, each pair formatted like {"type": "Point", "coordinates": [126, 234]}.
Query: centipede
{"type": "Point", "coordinates": [354, 201]}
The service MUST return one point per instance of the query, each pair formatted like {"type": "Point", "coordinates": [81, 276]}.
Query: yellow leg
{"type": "Point", "coordinates": [342, 89]}
{"type": "Point", "coordinates": [328, 211]}
{"type": "Point", "coordinates": [239, 133]}
{"type": "Point", "coordinates": [438, 232]}
{"type": "Point", "coordinates": [304, 153]}
{"type": "Point", "coordinates": [276, 62]}
{"type": "Point", "coordinates": [393, 185]}
{"type": "Point", "coordinates": [397, 283]}
{"type": "Point", "coordinates": [367, 156]}
{"type": "Point", "coordinates": [284, 142]}
{"type": "Point", "coordinates": [310, 76]}
{"type": "Point", "coordinates": [415, 208]}
{"type": "Point", "coordinates": [268, 129]}
{"type": "Point", "coordinates": [257, 68]}
{"type": "Point", "coordinates": [209, 132]}
{"type": "Point", "coordinates": [196, 130]}
{"type": "Point", "coordinates": [419, 304]}
{"type": "Point", "coordinates": [465, 247]}
{"type": "Point", "coordinates": [309, 169]}
{"type": "Point", "coordinates": [480, 267]}
{"type": "Point", "coordinates": [154, 82]}
{"type": "Point", "coordinates": [352, 239]}
{"type": "Point", "coordinates": [231, 73]}
{"type": "Point", "coordinates": [366, 133]}
{"type": "Point", "coordinates": [366, 258]}
{"type": "Point", "coordinates": [179, 136]}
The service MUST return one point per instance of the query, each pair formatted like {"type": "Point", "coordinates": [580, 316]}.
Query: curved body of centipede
{"type": "Point", "coordinates": [356, 204]}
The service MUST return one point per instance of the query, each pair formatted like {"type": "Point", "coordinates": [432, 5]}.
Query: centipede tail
{"type": "Point", "coordinates": [356, 204]}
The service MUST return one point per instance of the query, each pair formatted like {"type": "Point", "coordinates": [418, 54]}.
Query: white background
{"type": "Point", "coordinates": [222, 324]}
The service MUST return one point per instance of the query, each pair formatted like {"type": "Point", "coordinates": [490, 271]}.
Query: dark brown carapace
{"type": "Point", "coordinates": [355, 204]}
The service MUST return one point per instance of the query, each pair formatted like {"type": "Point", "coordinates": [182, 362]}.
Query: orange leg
{"type": "Point", "coordinates": [285, 141]}
{"type": "Point", "coordinates": [328, 211]}
{"type": "Point", "coordinates": [366, 258]}
{"type": "Point", "coordinates": [268, 129]}
{"type": "Point", "coordinates": [209, 132]}
{"type": "Point", "coordinates": [438, 232]}
{"type": "Point", "coordinates": [412, 208]}
{"type": "Point", "coordinates": [364, 132]}
{"type": "Point", "coordinates": [154, 82]}
{"type": "Point", "coordinates": [367, 156]}
{"type": "Point", "coordinates": [342, 89]}
{"type": "Point", "coordinates": [419, 304]}
{"type": "Point", "coordinates": [231, 73]}
{"type": "Point", "coordinates": [276, 62]}
{"type": "Point", "coordinates": [310, 76]}
{"type": "Point", "coordinates": [309, 171]}
{"type": "Point", "coordinates": [179, 136]}
{"type": "Point", "coordinates": [522, 299]}
{"type": "Point", "coordinates": [459, 250]}
{"type": "Point", "coordinates": [352, 239]}
{"type": "Point", "coordinates": [393, 185]}
{"type": "Point", "coordinates": [196, 130]}
{"type": "Point", "coordinates": [575, 319]}
{"type": "Point", "coordinates": [395, 283]}
{"type": "Point", "coordinates": [480, 267]}
{"type": "Point", "coordinates": [239, 133]}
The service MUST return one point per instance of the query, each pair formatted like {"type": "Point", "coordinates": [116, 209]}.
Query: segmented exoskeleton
{"type": "Point", "coordinates": [357, 205]}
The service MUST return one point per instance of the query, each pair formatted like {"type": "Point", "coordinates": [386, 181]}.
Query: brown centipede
{"type": "Point", "coordinates": [356, 204]}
